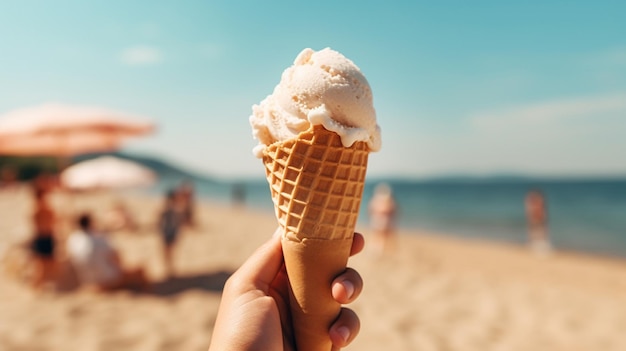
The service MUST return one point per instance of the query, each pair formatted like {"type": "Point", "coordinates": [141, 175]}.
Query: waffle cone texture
{"type": "Point", "coordinates": [316, 185]}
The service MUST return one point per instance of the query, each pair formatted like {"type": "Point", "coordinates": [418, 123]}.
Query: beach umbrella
{"type": "Point", "coordinates": [65, 130]}
{"type": "Point", "coordinates": [106, 172]}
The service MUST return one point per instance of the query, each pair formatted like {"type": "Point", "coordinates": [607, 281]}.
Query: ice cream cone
{"type": "Point", "coordinates": [316, 185]}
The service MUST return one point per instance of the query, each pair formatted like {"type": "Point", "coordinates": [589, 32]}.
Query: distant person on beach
{"type": "Point", "coordinates": [119, 217]}
{"type": "Point", "coordinates": [254, 313]}
{"type": "Point", "coordinates": [46, 182]}
{"type": "Point", "coordinates": [382, 212]}
{"type": "Point", "coordinates": [187, 200]}
{"type": "Point", "coordinates": [44, 241]}
{"type": "Point", "coordinates": [537, 217]}
{"type": "Point", "coordinates": [8, 177]}
{"type": "Point", "coordinates": [97, 263]}
{"type": "Point", "coordinates": [238, 194]}
{"type": "Point", "coordinates": [171, 219]}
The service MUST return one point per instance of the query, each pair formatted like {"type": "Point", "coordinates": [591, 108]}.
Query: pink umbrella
{"type": "Point", "coordinates": [62, 130]}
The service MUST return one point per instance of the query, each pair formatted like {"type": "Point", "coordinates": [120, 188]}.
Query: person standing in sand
{"type": "Point", "coordinates": [185, 192]}
{"type": "Point", "coordinates": [44, 240]}
{"type": "Point", "coordinates": [170, 221]}
{"type": "Point", "coordinates": [238, 194]}
{"type": "Point", "coordinates": [382, 212]}
{"type": "Point", "coordinates": [537, 217]}
{"type": "Point", "coordinates": [8, 177]}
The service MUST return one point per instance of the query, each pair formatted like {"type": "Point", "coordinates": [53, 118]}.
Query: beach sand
{"type": "Point", "coordinates": [433, 292]}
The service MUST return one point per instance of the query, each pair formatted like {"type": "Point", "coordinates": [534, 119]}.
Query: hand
{"type": "Point", "coordinates": [254, 313]}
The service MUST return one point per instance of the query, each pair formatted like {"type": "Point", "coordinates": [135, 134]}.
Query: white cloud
{"type": "Point", "coordinates": [141, 55]}
{"type": "Point", "coordinates": [552, 112]}
{"type": "Point", "coordinates": [574, 136]}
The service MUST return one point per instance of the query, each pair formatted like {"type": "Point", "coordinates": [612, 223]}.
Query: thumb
{"type": "Point", "coordinates": [263, 265]}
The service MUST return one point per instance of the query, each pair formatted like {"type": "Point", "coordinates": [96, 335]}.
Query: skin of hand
{"type": "Point", "coordinates": [254, 312]}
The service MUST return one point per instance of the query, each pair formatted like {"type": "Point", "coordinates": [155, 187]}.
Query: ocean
{"type": "Point", "coordinates": [585, 215]}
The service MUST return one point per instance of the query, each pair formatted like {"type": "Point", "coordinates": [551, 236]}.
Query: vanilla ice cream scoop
{"type": "Point", "coordinates": [322, 87]}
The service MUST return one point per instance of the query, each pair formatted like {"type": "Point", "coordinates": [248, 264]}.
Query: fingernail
{"type": "Point", "coordinates": [349, 288]}
{"type": "Point", "coordinates": [344, 332]}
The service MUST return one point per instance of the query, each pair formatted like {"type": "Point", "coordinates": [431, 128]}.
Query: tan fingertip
{"type": "Point", "coordinates": [349, 287]}
{"type": "Point", "coordinates": [345, 329]}
{"type": "Point", "coordinates": [343, 291]}
{"type": "Point", "coordinates": [358, 244]}
{"type": "Point", "coordinates": [340, 336]}
{"type": "Point", "coordinates": [344, 333]}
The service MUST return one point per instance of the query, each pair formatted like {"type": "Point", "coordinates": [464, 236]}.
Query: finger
{"type": "Point", "coordinates": [347, 286]}
{"type": "Point", "coordinates": [358, 243]}
{"type": "Point", "coordinates": [280, 284]}
{"type": "Point", "coordinates": [261, 268]}
{"type": "Point", "coordinates": [345, 329]}
{"type": "Point", "coordinates": [279, 290]}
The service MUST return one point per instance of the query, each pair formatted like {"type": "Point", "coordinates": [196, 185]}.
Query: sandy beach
{"type": "Point", "coordinates": [434, 292]}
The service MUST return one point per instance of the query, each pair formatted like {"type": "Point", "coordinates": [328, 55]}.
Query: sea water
{"type": "Point", "coordinates": [583, 215]}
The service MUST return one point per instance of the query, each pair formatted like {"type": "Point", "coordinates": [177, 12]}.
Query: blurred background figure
{"type": "Point", "coordinates": [97, 263]}
{"type": "Point", "coordinates": [119, 217]}
{"type": "Point", "coordinates": [186, 196]}
{"type": "Point", "coordinates": [537, 217]}
{"type": "Point", "coordinates": [170, 221]}
{"type": "Point", "coordinates": [238, 194]}
{"type": "Point", "coordinates": [43, 244]}
{"type": "Point", "coordinates": [8, 177]}
{"type": "Point", "coordinates": [382, 212]}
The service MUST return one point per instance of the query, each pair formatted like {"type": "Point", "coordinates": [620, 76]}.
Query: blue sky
{"type": "Point", "coordinates": [533, 87]}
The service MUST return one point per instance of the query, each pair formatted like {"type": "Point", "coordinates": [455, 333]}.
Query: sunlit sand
{"type": "Point", "coordinates": [431, 293]}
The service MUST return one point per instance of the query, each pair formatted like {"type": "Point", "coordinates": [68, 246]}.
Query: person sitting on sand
{"type": "Point", "coordinates": [254, 313]}
{"type": "Point", "coordinates": [382, 212]}
{"type": "Point", "coordinates": [97, 263]}
{"type": "Point", "coordinates": [44, 240]}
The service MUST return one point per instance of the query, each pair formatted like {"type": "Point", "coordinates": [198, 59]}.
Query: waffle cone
{"type": "Point", "coordinates": [316, 185]}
